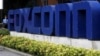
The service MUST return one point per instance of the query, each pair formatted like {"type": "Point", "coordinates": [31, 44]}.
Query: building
{"type": "Point", "coordinates": [15, 4]}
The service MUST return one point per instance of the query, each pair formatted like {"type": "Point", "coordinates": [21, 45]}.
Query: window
{"type": "Point", "coordinates": [44, 2]}
{"type": "Point", "coordinates": [67, 1]}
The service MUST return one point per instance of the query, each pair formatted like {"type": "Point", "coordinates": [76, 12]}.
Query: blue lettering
{"type": "Point", "coordinates": [47, 20]}
{"type": "Point", "coordinates": [27, 20]}
{"type": "Point", "coordinates": [11, 20]}
{"type": "Point", "coordinates": [63, 20]}
{"type": "Point", "coordinates": [18, 20]}
{"type": "Point", "coordinates": [75, 20]}
{"type": "Point", "coordinates": [36, 20]}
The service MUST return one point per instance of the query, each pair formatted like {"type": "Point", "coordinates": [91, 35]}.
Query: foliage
{"type": "Point", "coordinates": [44, 48]}
{"type": "Point", "coordinates": [4, 31]}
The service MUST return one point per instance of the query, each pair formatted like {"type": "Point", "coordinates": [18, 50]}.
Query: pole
{"type": "Point", "coordinates": [1, 16]}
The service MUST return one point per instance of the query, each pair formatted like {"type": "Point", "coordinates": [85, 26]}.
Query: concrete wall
{"type": "Point", "coordinates": [84, 43]}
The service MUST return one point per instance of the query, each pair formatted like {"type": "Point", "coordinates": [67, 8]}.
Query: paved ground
{"type": "Point", "coordinates": [8, 53]}
{"type": "Point", "coordinates": [4, 51]}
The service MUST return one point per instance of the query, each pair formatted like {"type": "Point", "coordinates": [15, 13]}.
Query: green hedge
{"type": "Point", "coordinates": [4, 31]}
{"type": "Point", "coordinates": [40, 48]}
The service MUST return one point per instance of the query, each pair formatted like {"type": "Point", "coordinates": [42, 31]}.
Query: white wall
{"type": "Point", "coordinates": [1, 4]}
{"type": "Point", "coordinates": [84, 43]}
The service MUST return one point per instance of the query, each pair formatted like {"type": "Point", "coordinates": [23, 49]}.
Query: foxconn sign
{"type": "Point", "coordinates": [1, 4]}
{"type": "Point", "coordinates": [74, 20]}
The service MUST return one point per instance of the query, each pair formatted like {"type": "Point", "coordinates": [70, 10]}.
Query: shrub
{"type": "Point", "coordinates": [4, 31]}
{"type": "Point", "coordinates": [40, 48]}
